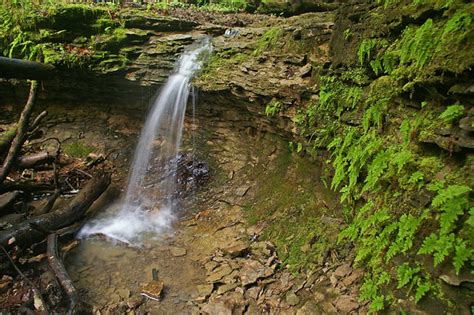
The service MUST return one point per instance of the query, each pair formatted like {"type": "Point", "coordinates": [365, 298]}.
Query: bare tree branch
{"type": "Point", "coordinates": [20, 136]}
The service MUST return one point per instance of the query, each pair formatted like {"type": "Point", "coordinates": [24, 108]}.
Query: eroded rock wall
{"type": "Point", "coordinates": [385, 87]}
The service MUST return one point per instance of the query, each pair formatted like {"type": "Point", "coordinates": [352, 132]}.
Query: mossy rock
{"type": "Point", "coordinates": [294, 7]}
{"type": "Point", "coordinates": [77, 19]}
{"type": "Point", "coordinates": [158, 23]}
{"type": "Point", "coordinates": [78, 149]}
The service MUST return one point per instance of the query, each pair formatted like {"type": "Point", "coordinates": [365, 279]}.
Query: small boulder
{"type": "Point", "coordinates": [237, 250]}
{"type": "Point", "coordinates": [292, 299]}
{"type": "Point", "coordinates": [227, 287]}
{"type": "Point", "coordinates": [178, 251]}
{"type": "Point", "coordinates": [153, 290]}
{"type": "Point", "coordinates": [205, 289]}
{"type": "Point", "coordinates": [252, 271]}
{"type": "Point", "coordinates": [346, 304]}
{"type": "Point", "coordinates": [309, 308]}
{"type": "Point", "coordinates": [343, 270]}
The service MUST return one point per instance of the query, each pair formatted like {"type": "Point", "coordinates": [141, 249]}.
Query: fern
{"type": "Point", "coordinates": [405, 131]}
{"type": "Point", "coordinates": [407, 227]}
{"type": "Point", "coordinates": [470, 221]}
{"type": "Point", "coordinates": [440, 246]}
{"type": "Point", "coordinates": [376, 66]}
{"type": "Point", "coordinates": [389, 62]}
{"type": "Point", "coordinates": [462, 254]}
{"type": "Point", "coordinates": [452, 113]}
{"type": "Point", "coordinates": [458, 26]}
{"type": "Point", "coordinates": [373, 115]}
{"type": "Point", "coordinates": [369, 291]}
{"type": "Point", "coordinates": [400, 159]}
{"type": "Point", "coordinates": [418, 45]}
{"type": "Point", "coordinates": [405, 274]}
{"type": "Point", "coordinates": [365, 49]}
{"type": "Point", "coordinates": [353, 96]}
{"type": "Point", "coordinates": [452, 201]}
{"type": "Point", "coordinates": [416, 179]}
{"type": "Point", "coordinates": [451, 192]}
{"type": "Point", "coordinates": [273, 108]}
{"type": "Point", "coordinates": [376, 169]}
{"type": "Point", "coordinates": [422, 288]}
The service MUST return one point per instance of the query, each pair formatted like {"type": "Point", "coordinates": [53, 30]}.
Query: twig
{"type": "Point", "coordinates": [51, 201]}
{"type": "Point", "coordinates": [60, 271]}
{"type": "Point", "coordinates": [38, 298]}
{"type": "Point", "coordinates": [20, 133]}
{"type": "Point", "coordinates": [35, 125]}
{"type": "Point", "coordinates": [25, 186]}
{"type": "Point", "coordinates": [82, 172]}
{"type": "Point", "coordinates": [38, 119]}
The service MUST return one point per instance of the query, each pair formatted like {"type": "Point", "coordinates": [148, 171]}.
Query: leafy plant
{"type": "Point", "coordinates": [268, 40]}
{"type": "Point", "coordinates": [273, 108]}
{"type": "Point", "coordinates": [405, 274]}
{"type": "Point", "coordinates": [452, 113]}
{"type": "Point", "coordinates": [365, 49]}
{"type": "Point", "coordinates": [407, 226]}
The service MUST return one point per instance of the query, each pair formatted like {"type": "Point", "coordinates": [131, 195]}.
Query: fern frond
{"type": "Point", "coordinates": [405, 274]}
{"type": "Point", "coordinates": [462, 254]}
{"type": "Point", "coordinates": [422, 288]}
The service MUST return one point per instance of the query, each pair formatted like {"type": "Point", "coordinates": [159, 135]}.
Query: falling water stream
{"type": "Point", "coordinates": [149, 204]}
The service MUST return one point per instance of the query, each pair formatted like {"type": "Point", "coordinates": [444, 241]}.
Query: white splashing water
{"type": "Point", "coordinates": [149, 204]}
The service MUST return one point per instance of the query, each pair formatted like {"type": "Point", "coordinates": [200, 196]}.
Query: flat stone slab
{"type": "Point", "coordinates": [178, 251]}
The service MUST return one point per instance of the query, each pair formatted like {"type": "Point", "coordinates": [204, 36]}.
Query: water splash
{"type": "Point", "coordinates": [149, 204]}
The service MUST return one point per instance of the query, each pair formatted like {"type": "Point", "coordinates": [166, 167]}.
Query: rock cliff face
{"type": "Point", "coordinates": [386, 89]}
{"type": "Point", "coordinates": [129, 52]}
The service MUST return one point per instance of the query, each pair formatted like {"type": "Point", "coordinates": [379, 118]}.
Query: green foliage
{"type": "Point", "coordinates": [405, 274]}
{"type": "Point", "coordinates": [268, 40]}
{"type": "Point", "coordinates": [78, 149]}
{"type": "Point", "coordinates": [440, 246]}
{"type": "Point", "coordinates": [423, 286]}
{"type": "Point", "coordinates": [416, 180]}
{"type": "Point", "coordinates": [411, 275]}
{"type": "Point", "coordinates": [370, 291]}
{"type": "Point", "coordinates": [453, 202]}
{"type": "Point", "coordinates": [366, 48]}
{"type": "Point", "coordinates": [378, 166]}
{"type": "Point", "coordinates": [452, 113]}
{"type": "Point", "coordinates": [273, 108]}
{"type": "Point", "coordinates": [376, 169]}
{"type": "Point", "coordinates": [407, 227]}
{"type": "Point", "coordinates": [433, 45]}
{"type": "Point", "coordinates": [419, 44]}
{"type": "Point", "coordinates": [348, 34]}
{"type": "Point", "coordinates": [462, 254]}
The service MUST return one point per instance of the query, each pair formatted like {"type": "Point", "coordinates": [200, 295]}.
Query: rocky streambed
{"type": "Point", "coordinates": [217, 258]}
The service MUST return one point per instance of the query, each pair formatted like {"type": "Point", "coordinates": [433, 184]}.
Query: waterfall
{"type": "Point", "coordinates": [149, 204]}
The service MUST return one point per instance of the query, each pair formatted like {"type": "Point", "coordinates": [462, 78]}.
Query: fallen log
{"type": "Point", "coordinates": [51, 201]}
{"type": "Point", "coordinates": [31, 230]}
{"type": "Point", "coordinates": [7, 200]}
{"type": "Point", "coordinates": [26, 186]}
{"type": "Point", "coordinates": [6, 138]}
{"type": "Point", "coordinates": [20, 136]}
{"type": "Point", "coordinates": [40, 158]}
{"type": "Point", "coordinates": [24, 69]}
{"type": "Point", "coordinates": [56, 264]}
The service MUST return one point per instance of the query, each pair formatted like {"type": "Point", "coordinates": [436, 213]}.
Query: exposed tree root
{"type": "Point", "coordinates": [21, 133]}
{"type": "Point", "coordinates": [24, 234]}
{"type": "Point", "coordinates": [56, 264]}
